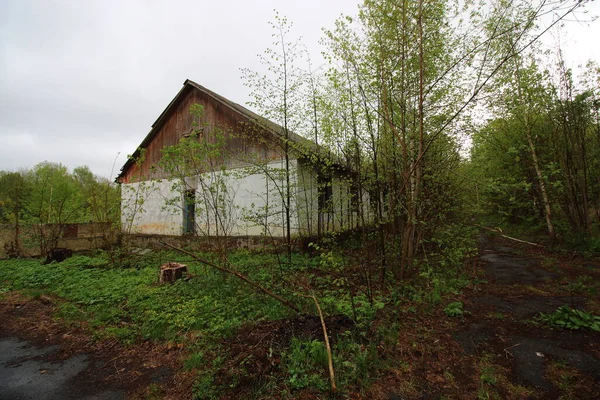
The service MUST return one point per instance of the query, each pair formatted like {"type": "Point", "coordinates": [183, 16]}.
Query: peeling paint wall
{"type": "Point", "coordinates": [252, 205]}
{"type": "Point", "coordinates": [144, 208]}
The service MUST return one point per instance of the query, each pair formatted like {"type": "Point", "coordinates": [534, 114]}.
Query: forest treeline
{"type": "Point", "coordinates": [537, 162]}
{"type": "Point", "coordinates": [49, 194]}
{"type": "Point", "coordinates": [444, 109]}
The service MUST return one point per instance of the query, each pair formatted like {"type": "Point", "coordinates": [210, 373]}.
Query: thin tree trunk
{"type": "Point", "coordinates": [534, 158]}
{"type": "Point", "coordinates": [540, 177]}
{"type": "Point", "coordinates": [410, 232]}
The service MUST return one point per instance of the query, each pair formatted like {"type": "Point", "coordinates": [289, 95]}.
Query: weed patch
{"type": "Point", "coordinates": [454, 309]}
{"type": "Point", "coordinates": [569, 318]}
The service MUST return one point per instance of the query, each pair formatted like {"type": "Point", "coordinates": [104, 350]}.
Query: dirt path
{"type": "Point", "coordinates": [523, 358]}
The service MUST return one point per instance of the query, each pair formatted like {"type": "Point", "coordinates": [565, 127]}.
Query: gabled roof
{"type": "Point", "coordinates": [269, 126]}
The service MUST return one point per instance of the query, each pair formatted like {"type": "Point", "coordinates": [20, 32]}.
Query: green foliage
{"type": "Point", "coordinates": [454, 309]}
{"type": "Point", "coordinates": [15, 190]}
{"type": "Point", "coordinates": [109, 298]}
{"type": "Point", "coordinates": [306, 362]}
{"type": "Point", "coordinates": [49, 196]}
{"type": "Point", "coordinates": [356, 364]}
{"type": "Point", "coordinates": [569, 318]}
{"type": "Point", "coordinates": [99, 261]}
{"type": "Point", "coordinates": [539, 154]}
{"type": "Point", "coordinates": [71, 313]}
{"type": "Point", "coordinates": [195, 361]}
{"type": "Point", "coordinates": [488, 375]}
{"type": "Point", "coordinates": [583, 285]}
{"type": "Point", "coordinates": [453, 244]}
{"type": "Point", "coordinates": [204, 387]}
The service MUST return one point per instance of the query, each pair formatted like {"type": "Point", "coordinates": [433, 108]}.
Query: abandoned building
{"type": "Point", "coordinates": [241, 194]}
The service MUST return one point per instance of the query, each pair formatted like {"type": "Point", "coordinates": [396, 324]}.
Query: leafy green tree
{"type": "Point", "coordinates": [405, 77]}
{"type": "Point", "coordinates": [55, 201]}
{"type": "Point", "coordinates": [277, 97]}
{"type": "Point", "coordinates": [14, 195]}
{"type": "Point", "coordinates": [536, 159]}
{"type": "Point", "coordinates": [198, 166]}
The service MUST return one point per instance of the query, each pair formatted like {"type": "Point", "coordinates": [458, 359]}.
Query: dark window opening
{"type": "Point", "coordinates": [189, 212]}
{"type": "Point", "coordinates": [354, 197]}
{"type": "Point", "coordinates": [325, 194]}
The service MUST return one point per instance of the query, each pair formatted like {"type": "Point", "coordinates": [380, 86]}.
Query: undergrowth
{"type": "Point", "coordinates": [205, 311]}
{"type": "Point", "coordinates": [129, 304]}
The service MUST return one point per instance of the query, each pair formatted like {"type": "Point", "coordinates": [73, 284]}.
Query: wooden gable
{"type": "Point", "coordinates": [243, 134]}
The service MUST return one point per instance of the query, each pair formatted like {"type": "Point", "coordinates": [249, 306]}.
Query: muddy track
{"type": "Point", "coordinates": [502, 324]}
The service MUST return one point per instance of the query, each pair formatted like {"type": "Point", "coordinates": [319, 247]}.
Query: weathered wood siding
{"type": "Point", "coordinates": [243, 138]}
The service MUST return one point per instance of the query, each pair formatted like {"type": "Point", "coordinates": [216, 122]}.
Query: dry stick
{"type": "Point", "coordinates": [329, 356]}
{"type": "Point", "coordinates": [508, 352]}
{"type": "Point", "coordinates": [509, 237]}
{"type": "Point", "coordinates": [255, 285]}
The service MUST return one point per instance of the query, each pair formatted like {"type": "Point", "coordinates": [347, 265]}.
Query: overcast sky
{"type": "Point", "coordinates": [82, 81]}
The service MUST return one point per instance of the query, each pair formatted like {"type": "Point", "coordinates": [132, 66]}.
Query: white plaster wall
{"type": "Point", "coordinates": [144, 208]}
{"type": "Point", "coordinates": [341, 216]}
{"type": "Point", "coordinates": [307, 199]}
{"type": "Point", "coordinates": [257, 188]}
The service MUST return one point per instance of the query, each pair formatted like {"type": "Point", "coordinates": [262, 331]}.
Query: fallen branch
{"type": "Point", "coordinates": [509, 237]}
{"type": "Point", "coordinates": [240, 276]}
{"type": "Point", "coordinates": [508, 352]}
{"type": "Point", "coordinates": [329, 356]}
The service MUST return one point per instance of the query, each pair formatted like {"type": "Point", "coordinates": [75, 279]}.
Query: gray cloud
{"type": "Point", "coordinates": [81, 81]}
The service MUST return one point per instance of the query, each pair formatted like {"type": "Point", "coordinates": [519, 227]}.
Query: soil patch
{"type": "Point", "coordinates": [527, 305]}
{"type": "Point", "coordinates": [255, 351]}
